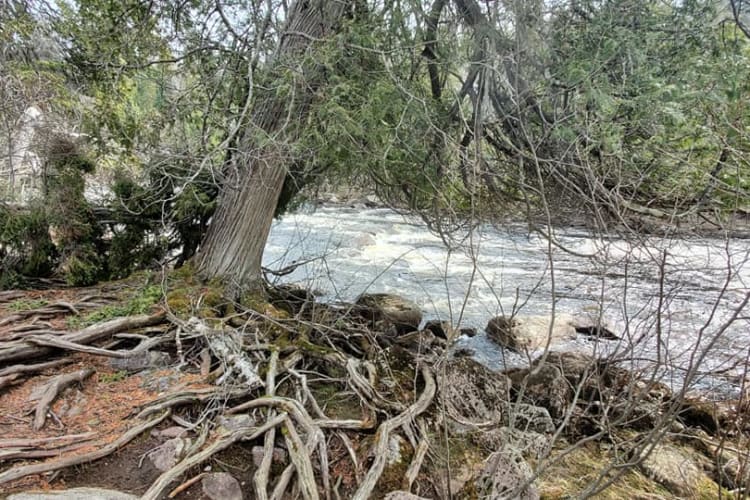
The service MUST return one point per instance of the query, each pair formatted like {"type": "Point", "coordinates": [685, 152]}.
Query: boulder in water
{"type": "Point", "coordinates": [403, 314]}
{"type": "Point", "coordinates": [522, 333]}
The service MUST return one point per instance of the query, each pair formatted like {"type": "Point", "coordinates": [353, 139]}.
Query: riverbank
{"type": "Point", "coordinates": [172, 388]}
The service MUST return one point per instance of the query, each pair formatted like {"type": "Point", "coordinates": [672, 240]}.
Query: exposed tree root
{"type": "Point", "coordinates": [51, 391]}
{"type": "Point", "coordinates": [284, 405]}
{"type": "Point", "coordinates": [384, 431]}
{"type": "Point", "coordinates": [26, 470]}
{"type": "Point", "coordinates": [161, 484]}
{"type": "Point", "coordinates": [27, 349]}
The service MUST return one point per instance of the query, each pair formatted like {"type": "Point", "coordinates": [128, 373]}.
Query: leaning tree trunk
{"type": "Point", "coordinates": [233, 247]}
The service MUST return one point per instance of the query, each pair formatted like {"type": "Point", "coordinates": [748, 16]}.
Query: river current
{"type": "Point", "coordinates": [674, 303]}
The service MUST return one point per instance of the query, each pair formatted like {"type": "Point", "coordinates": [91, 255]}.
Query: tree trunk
{"type": "Point", "coordinates": [233, 247]}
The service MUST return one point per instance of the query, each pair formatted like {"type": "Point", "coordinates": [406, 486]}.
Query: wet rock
{"type": "Point", "coordinates": [141, 361]}
{"type": "Point", "coordinates": [543, 385]}
{"type": "Point", "coordinates": [468, 331]}
{"type": "Point", "coordinates": [673, 469]}
{"type": "Point", "coordinates": [441, 329]}
{"type": "Point", "coordinates": [473, 393]}
{"type": "Point", "coordinates": [505, 475]}
{"type": "Point", "coordinates": [221, 486]}
{"type": "Point", "coordinates": [403, 314]}
{"type": "Point", "coordinates": [74, 494]}
{"type": "Point", "coordinates": [278, 455]}
{"type": "Point", "coordinates": [420, 340]}
{"type": "Point", "coordinates": [169, 453]}
{"type": "Point", "coordinates": [593, 325]}
{"type": "Point", "coordinates": [463, 352]}
{"type": "Point", "coordinates": [522, 333]}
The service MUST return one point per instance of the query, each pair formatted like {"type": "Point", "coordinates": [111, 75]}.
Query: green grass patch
{"type": "Point", "coordinates": [27, 304]}
{"type": "Point", "coordinates": [140, 303]}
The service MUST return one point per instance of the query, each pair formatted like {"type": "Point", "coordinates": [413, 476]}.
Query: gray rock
{"type": "Point", "coordinates": [474, 394]}
{"type": "Point", "coordinates": [221, 486]}
{"type": "Point", "coordinates": [544, 386]}
{"type": "Point", "coordinates": [673, 469]}
{"type": "Point", "coordinates": [402, 495]}
{"type": "Point", "coordinates": [141, 361]}
{"type": "Point", "coordinates": [404, 314]}
{"type": "Point", "coordinates": [504, 475]}
{"type": "Point", "coordinates": [169, 453]}
{"type": "Point", "coordinates": [74, 494]}
{"type": "Point", "coordinates": [278, 456]}
{"type": "Point", "coordinates": [169, 432]}
{"type": "Point", "coordinates": [531, 418]}
{"type": "Point", "coordinates": [236, 422]}
{"type": "Point", "coordinates": [522, 333]}
{"type": "Point", "coordinates": [527, 443]}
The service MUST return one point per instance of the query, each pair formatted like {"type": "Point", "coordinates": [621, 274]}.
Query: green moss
{"type": "Point", "coordinates": [141, 301]}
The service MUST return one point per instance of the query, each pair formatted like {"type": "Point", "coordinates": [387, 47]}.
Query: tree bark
{"type": "Point", "coordinates": [233, 247]}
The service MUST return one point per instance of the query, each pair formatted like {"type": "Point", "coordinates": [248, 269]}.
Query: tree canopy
{"type": "Point", "coordinates": [606, 110]}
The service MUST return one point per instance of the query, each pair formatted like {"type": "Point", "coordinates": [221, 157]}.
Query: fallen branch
{"type": "Point", "coordinates": [27, 470]}
{"type": "Point", "coordinates": [52, 389]}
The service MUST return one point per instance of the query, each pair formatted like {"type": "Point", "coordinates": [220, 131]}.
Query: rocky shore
{"type": "Point", "coordinates": [372, 402]}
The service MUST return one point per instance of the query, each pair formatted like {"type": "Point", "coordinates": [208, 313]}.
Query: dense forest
{"type": "Point", "coordinates": [147, 146]}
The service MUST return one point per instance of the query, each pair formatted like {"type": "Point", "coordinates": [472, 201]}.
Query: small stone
{"type": "Point", "coordinates": [468, 331]}
{"type": "Point", "coordinates": [402, 495]}
{"type": "Point", "coordinates": [169, 453]}
{"type": "Point", "coordinates": [169, 432]}
{"type": "Point", "coordinates": [236, 422]}
{"type": "Point", "coordinates": [221, 486]}
{"type": "Point", "coordinates": [527, 443]}
{"type": "Point", "coordinates": [278, 456]}
{"type": "Point", "coordinates": [140, 361]}
{"type": "Point", "coordinates": [530, 418]}
{"type": "Point", "coordinates": [463, 352]}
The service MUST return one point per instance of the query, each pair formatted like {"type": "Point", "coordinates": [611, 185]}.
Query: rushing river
{"type": "Point", "coordinates": [694, 310]}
